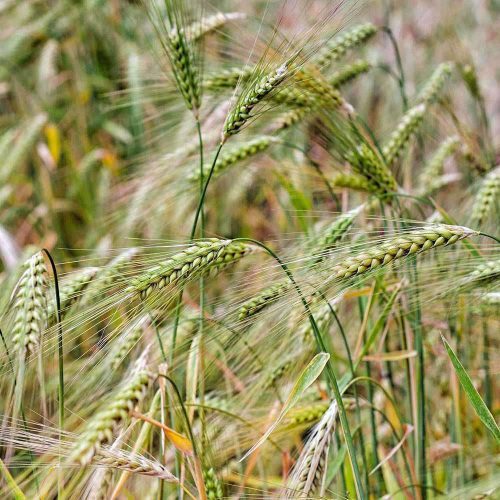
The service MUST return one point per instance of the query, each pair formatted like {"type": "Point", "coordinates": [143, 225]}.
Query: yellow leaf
{"type": "Point", "coordinates": [53, 141]}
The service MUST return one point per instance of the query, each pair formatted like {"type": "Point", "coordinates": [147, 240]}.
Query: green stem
{"type": "Point", "coordinates": [60, 352]}
{"type": "Point", "coordinates": [399, 62]}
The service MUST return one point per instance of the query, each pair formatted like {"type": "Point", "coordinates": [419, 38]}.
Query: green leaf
{"type": "Point", "coordinates": [479, 405]}
{"type": "Point", "coordinates": [310, 373]}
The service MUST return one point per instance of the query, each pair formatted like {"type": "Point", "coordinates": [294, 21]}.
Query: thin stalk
{"type": "Point", "coordinates": [329, 368]}
{"type": "Point", "coordinates": [399, 63]}
{"type": "Point", "coordinates": [60, 360]}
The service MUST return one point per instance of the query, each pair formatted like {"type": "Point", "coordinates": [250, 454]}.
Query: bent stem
{"type": "Point", "coordinates": [332, 379]}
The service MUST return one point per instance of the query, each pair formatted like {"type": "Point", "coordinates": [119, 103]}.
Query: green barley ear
{"type": "Point", "coordinates": [178, 41]}
{"type": "Point", "coordinates": [213, 485]}
{"type": "Point", "coordinates": [30, 306]}
{"type": "Point", "coordinates": [261, 86]}
{"type": "Point", "coordinates": [227, 78]}
{"type": "Point", "coordinates": [331, 235]}
{"type": "Point", "coordinates": [129, 338]}
{"type": "Point", "coordinates": [338, 46]}
{"type": "Point", "coordinates": [487, 198]}
{"type": "Point", "coordinates": [198, 259]}
{"type": "Point", "coordinates": [263, 299]}
{"type": "Point", "coordinates": [365, 161]}
{"type": "Point", "coordinates": [430, 91]}
{"type": "Point", "coordinates": [352, 181]}
{"type": "Point", "coordinates": [235, 155]}
{"type": "Point", "coordinates": [414, 242]}
{"type": "Point", "coordinates": [349, 73]}
{"type": "Point", "coordinates": [407, 127]}
{"type": "Point", "coordinates": [434, 168]}
{"type": "Point", "coordinates": [99, 430]}
{"type": "Point", "coordinates": [72, 290]}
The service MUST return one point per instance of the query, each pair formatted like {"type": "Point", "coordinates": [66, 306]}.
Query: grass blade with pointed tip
{"type": "Point", "coordinates": [477, 402]}
{"type": "Point", "coordinates": [310, 373]}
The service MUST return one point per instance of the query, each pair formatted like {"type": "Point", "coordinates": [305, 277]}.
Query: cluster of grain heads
{"type": "Point", "coordinates": [407, 127]}
{"type": "Point", "coordinates": [308, 474]}
{"type": "Point", "coordinates": [213, 485]}
{"type": "Point", "coordinates": [254, 94]}
{"type": "Point", "coordinates": [30, 306]}
{"type": "Point", "coordinates": [487, 199]}
{"type": "Point", "coordinates": [198, 259]}
{"type": "Point", "coordinates": [235, 155]}
{"type": "Point", "coordinates": [434, 85]}
{"type": "Point", "coordinates": [413, 242]}
{"type": "Point", "coordinates": [365, 161]}
{"type": "Point", "coordinates": [434, 167]}
{"type": "Point", "coordinates": [337, 47]}
{"type": "Point", "coordinates": [99, 430]}
{"type": "Point", "coordinates": [349, 73]}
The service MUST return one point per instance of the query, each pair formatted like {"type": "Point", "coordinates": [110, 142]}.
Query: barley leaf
{"type": "Point", "coordinates": [310, 373]}
{"type": "Point", "coordinates": [477, 402]}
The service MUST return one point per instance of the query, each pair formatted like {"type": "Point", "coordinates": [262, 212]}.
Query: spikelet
{"type": "Point", "coordinates": [308, 414]}
{"type": "Point", "coordinates": [337, 47]}
{"type": "Point", "coordinates": [263, 299]}
{"type": "Point", "coordinates": [256, 92]}
{"type": "Point", "coordinates": [100, 428]}
{"type": "Point", "coordinates": [179, 47]}
{"type": "Point", "coordinates": [30, 306]}
{"type": "Point", "coordinates": [197, 260]}
{"type": "Point", "coordinates": [134, 463]}
{"type": "Point", "coordinates": [128, 340]}
{"type": "Point", "coordinates": [349, 73]}
{"type": "Point", "coordinates": [434, 168]}
{"type": "Point", "coordinates": [469, 76]}
{"type": "Point", "coordinates": [407, 127]}
{"type": "Point", "coordinates": [485, 273]}
{"type": "Point", "coordinates": [227, 79]}
{"type": "Point", "coordinates": [213, 486]}
{"type": "Point", "coordinates": [71, 290]}
{"type": "Point", "coordinates": [432, 88]}
{"type": "Point", "coordinates": [414, 242]}
{"type": "Point", "coordinates": [365, 162]}
{"type": "Point", "coordinates": [487, 198]}
{"type": "Point", "coordinates": [277, 373]}
{"type": "Point", "coordinates": [237, 154]}
{"type": "Point", "coordinates": [352, 181]}
{"type": "Point", "coordinates": [209, 24]}
{"type": "Point", "coordinates": [307, 476]}
{"type": "Point", "coordinates": [320, 90]}
{"type": "Point", "coordinates": [292, 117]}
{"type": "Point", "coordinates": [333, 234]}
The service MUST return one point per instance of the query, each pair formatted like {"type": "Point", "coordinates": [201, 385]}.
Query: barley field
{"type": "Point", "coordinates": [249, 249]}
